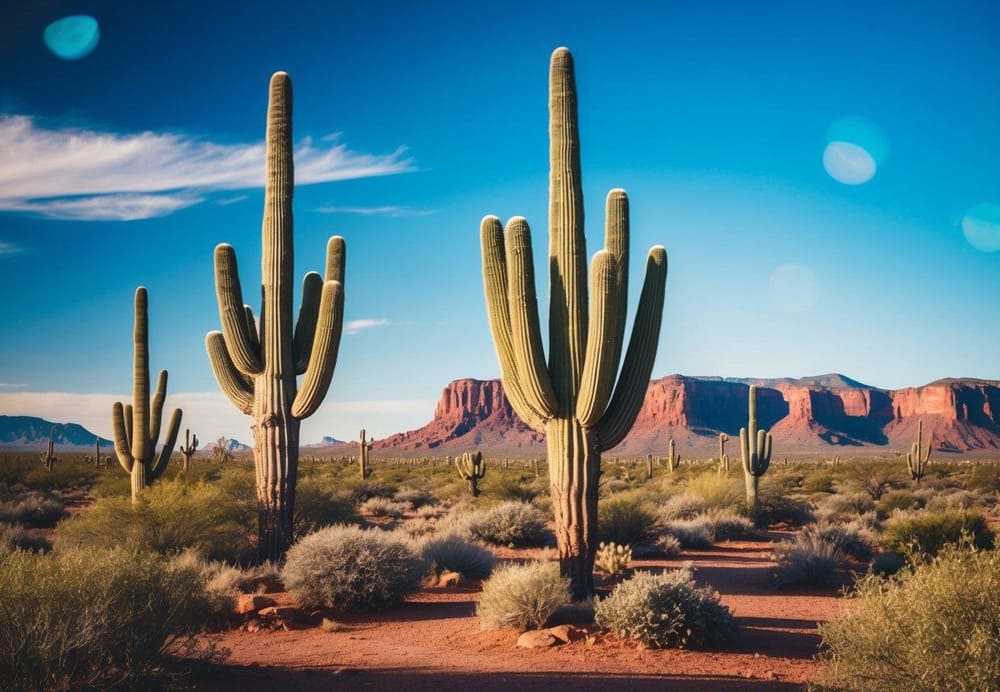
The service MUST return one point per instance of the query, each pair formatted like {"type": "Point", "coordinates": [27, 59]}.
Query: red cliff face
{"type": "Point", "coordinates": [829, 414]}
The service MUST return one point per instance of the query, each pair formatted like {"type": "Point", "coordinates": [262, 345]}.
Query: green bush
{"type": "Point", "coordinates": [522, 596]}
{"type": "Point", "coordinates": [718, 492]}
{"type": "Point", "coordinates": [15, 536]}
{"type": "Point", "coordinates": [348, 567]}
{"type": "Point", "coordinates": [727, 524]}
{"type": "Point", "coordinates": [686, 506]}
{"type": "Point", "coordinates": [844, 537]}
{"type": "Point", "coordinates": [897, 499]}
{"type": "Point", "coordinates": [382, 507]}
{"type": "Point", "coordinates": [625, 520]}
{"type": "Point", "coordinates": [94, 619]}
{"type": "Point", "coordinates": [808, 559]}
{"type": "Point", "coordinates": [318, 505]}
{"type": "Point", "coordinates": [691, 533]}
{"type": "Point", "coordinates": [33, 508]}
{"type": "Point", "coordinates": [935, 628]}
{"type": "Point", "coordinates": [666, 610]}
{"type": "Point", "coordinates": [925, 533]}
{"type": "Point", "coordinates": [510, 523]}
{"type": "Point", "coordinates": [453, 553]}
{"type": "Point", "coordinates": [415, 497]}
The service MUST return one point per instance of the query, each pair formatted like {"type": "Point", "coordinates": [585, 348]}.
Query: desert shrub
{"type": "Point", "coordinates": [925, 533]}
{"type": "Point", "coordinates": [366, 490]}
{"type": "Point", "coordinates": [509, 523]}
{"type": "Point", "coordinates": [223, 583]}
{"type": "Point", "coordinates": [776, 507]}
{"type": "Point", "coordinates": [430, 512]}
{"type": "Point", "coordinates": [666, 610]}
{"type": "Point", "coordinates": [934, 628]}
{"type": "Point", "coordinates": [846, 538]}
{"type": "Point", "coordinates": [348, 567]}
{"type": "Point", "coordinates": [169, 517]}
{"type": "Point", "coordinates": [33, 508]}
{"type": "Point", "coordinates": [846, 505]}
{"type": "Point", "coordinates": [727, 524]}
{"type": "Point", "coordinates": [415, 527]}
{"type": "Point", "coordinates": [953, 499]}
{"type": "Point", "coordinates": [718, 492]}
{"type": "Point", "coordinates": [902, 498]}
{"type": "Point", "coordinates": [614, 486]}
{"type": "Point", "coordinates": [612, 559]}
{"type": "Point", "coordinates": [93, 619]}
{"type": "Point", "coordinates": [317, 505]}
{"type": "Point", "coordinates": [415, 497]}
{"type": "Point", "coordinates": [668, 545]}
{"type": "Point", "coordinates": [508, 487]}
{"type": "Point", "coordinates": [454, 553]}
{"type": "Point", "coordinates": [686, 506]}
{"type": "Point", "coordinates": [873, 478]}
{"type": "Point", "coordinates": [625, 520]}
{"type": "Point", "coordinates": [818, 482]}
{"type": "Point", "coordinates": [984, 478]}
{"type": "Point", "coordinates": [691, 533]}
{"type": "Point", "coordinates": [522, 596]}
{"type": "Point", "coordinates": [886, 564]}
{"type": "Point", "coordinates": [382, 507]}
{"type": "Point", "coordinates": [808, 559]}
{"type": "Point", "coordinates": [15, 536]}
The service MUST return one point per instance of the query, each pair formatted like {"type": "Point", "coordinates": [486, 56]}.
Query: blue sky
{"type": "Point", "coordinates": [415, 119]}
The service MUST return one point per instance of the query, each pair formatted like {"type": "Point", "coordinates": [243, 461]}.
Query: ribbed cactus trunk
{"type": "Point", "coordinates": [572, 397]}
{"type": "Point", "coordinates": [257, 369]}
{"type": "Point", "coordinates": [755, 452]}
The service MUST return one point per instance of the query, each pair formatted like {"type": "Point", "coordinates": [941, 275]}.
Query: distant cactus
{"type": "Point", "coordinates": [673, 457]}
{"type": "Point", "coordinates": [364, 448]}
{"type": "Point", "coordinates": [649, 467]}
{"type": "Point", "coordinates": [917, 459]}
{"type": "Point", "coordinates": [49, 458]}
{"type": "Point", "coordinates": [136, 425]}
{"type": "Point", "coordinates": [472, 469]}
{"type": "Point", "coordinates": [612, 559]}
{"type": "Point", "coordinates": [755, 450]}
{"type": "Point", "coordinates": [723, 457]}
{"type": "Point", "coordinates": [221, 454]}
{"type": "Point", "coordinates": [188, 449]}
{"type": "Point", "coordinates": [257, 367]}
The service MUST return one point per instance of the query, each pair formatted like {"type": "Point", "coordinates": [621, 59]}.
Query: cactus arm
{"type": "Point", "coordinates": [600, 366]}
{"type": "Point", "coordinates": [567, 244]}
{"type": "Point", "coordinates": [127, 417]}
{"type": "Point", "coordinates": [156, 413]}
{"type": "Point", "coordinates": [616, 237]}
{"type": "Point", "coordinates": [252, 328]}
{"type": "Point", "coordinates": [633, 380]}
{"type": "Point", "coordinates": [140, 378]}
{"type": "Point", "coordinates": [122, 448]}
{"type": "Point", "coordinates": [305, 325]}
{"type": "Point", "coordinates": [231, 381]}
{"type": "Point", "coordinates": [163, 458]}
{"type": "Point", "coordinates": [232, 313]}
{"type": "Point", "coordinates": [495, 285]}
{"type": "Point", "coordinates": [526, 336]}
{"type": "Point", "coordinates": [324, 352]}
{"type": "Point", "coordinates": [336, 259]}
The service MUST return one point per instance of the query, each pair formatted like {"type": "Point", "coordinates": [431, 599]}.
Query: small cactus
{"type": "Point", "coordinates": [472, 469]}
{"type": "Point", "coordinates": [755, 450]}
{"type": "Point", "coordinates": [723, 457]}
{"type": "Point", "coordinates": [649, 467]}
{"type": "Point", "coordinates": [612, 559]}
{"type": "Point", "coordinates": [366, 445]}
{"type": "Point", "coordinates": [673, 457]}
{"type": "Point", "coordinates": [917, 459]}
{"type": "Point", "coordinates": [188, 449]}
{"type": "Point", "coordinates": [48, 457]}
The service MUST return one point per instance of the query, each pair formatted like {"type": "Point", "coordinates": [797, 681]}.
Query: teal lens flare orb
{"type": "Point", "coordinates": [72, 38]}
{"type": "Point", "coordinates": [981, 226]}
{"type": "Point", "coordinates": [855, 148]}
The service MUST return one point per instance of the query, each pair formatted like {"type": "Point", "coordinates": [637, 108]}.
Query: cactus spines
{"type": "Point", "coordinates": [188, 449]}
{"type": "Point", "coordinates": [755, 451]}
{"type": "Point", "coordinates": [48, 457]}
{"type": "Point", "coordinates": [256, 366]}
{"type": "Point", "coordinates": [673, 457]}
{"type": "Point", "coordinates": [137, 425]}
{"type": "Point", "coordinates": [365, 447]}
{"type": "Point", "coordinates": [723, 457]}
{"type": "Point", "coordinates": [577, 397]}
{"type": "Point", "coordinates": [472, 469]}
{"type": "Point", "coordinates": [917, 458]}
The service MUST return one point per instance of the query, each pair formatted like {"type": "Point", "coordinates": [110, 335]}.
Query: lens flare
{"type": "Point", "coordinates": [855, 148]}
{"type": "Point", "coordinates": [793, 288]}
{"type": "Point", "coordinates": [981, 226]}
{"type": "Point", "coordinates": [72, 38]}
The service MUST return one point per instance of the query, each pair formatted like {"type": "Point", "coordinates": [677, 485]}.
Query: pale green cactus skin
{"type": "Point", "coordinates": [137, 425]}
{"type": "Point", "coordinates": [366, 446]}
{"type": "Point", "coordinates": [723, 457]}
{"type": "Point", "coordinates": [573, 398]}
{"type": "Point", "coordinates": [673, 457]}
{"type": "Point", "coordinates": [257, 368]}
{"type": "Point", "coordinates": [472, 469]}
{"type": "Point", "coordinates": [755, 451]}
{"type": "Point", "coordinates": [917, 458]}
{"type": "Point", "coordinates": [188, 449]}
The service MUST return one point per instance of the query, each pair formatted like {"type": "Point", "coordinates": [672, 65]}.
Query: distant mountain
{"type": "Point", "coordinates": [830, 381]}
{"type": "Point", "coordinates": [327, 441]}
{"type": "Point", "coordinates": [233, 445]}
{"type": "Point", "coordinates": [28, 432]}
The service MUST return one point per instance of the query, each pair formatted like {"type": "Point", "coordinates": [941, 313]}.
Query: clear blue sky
{"type": "Point", "coordinates": [127, 166]}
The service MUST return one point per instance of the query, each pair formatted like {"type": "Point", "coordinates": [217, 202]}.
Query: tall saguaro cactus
{"type": "Point", "coordinates": [48, 457]}
{"type": "Point", "coordinates": [573, 399]}
{"type": "Point", "coordinates": [188, 449]}
{"type": "Point", "coordinates": [755, 451]}
{"type": "Point", "coordinates": [673, 457]}
{"type": "Point", "coordinates": [917, 458]}
{"type": "Point", "coordinates": [137, 425]}
{"type": "Point", "coordinates": [472, 469]}
{"type": "Point", "coordinates": [257, 368]}
{"type": "Point", "coordinates": [363, 449]}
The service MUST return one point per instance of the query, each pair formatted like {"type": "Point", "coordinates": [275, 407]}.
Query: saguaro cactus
{"type": "Point", "coordinates": [755, 451]}
{"type": "Point", "coordinates": [573, 399]}
{"type": "Point", "coordinates": [48, 457]}
{"type": "Point", "coordinates": [472, 469]}
{"type": "Point", "coordinates": [723, 457]}
{"type": "Point", "coordinates": [673, 457]}
{"type": "Point", "coordinates": [257, 369]}
{"type": "Point", "coordinates": [365, 447]}
{"type": "Point", "coordinates": [136, 425]}
{"type": "Point", "coordinates": [188, 449]}
{"type": "Point", "coordinates": [917, 458]}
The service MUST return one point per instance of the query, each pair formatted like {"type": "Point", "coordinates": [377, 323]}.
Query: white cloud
{"type": "Point", "coordinates": [355, 326]}
{"type": "Point", "coordinates": [12, 385]}
{"type": "Point", "coordinates": [91, 175]}
{"type": "Point", "coordinates": [376, 211]}
{"type": "Point", "coordinates": [8, 248]}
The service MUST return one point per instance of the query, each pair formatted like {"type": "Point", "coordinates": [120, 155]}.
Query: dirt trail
{"type": "Point", "coordinates": [433, 642]}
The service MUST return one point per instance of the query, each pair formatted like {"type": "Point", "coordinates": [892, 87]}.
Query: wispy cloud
{"type": "Point", "coordinates": [226, 201]}
{"type": "Point", "coordinates": [12, 385]}
{"type": "Point", "coordinates": [8, 248]}
{"type": "Point", "coordinates": [355, 326]}
{"type": "Point", "coordinates": [92, 175]}
{"type": "Point", "coordinates": [376, 211]}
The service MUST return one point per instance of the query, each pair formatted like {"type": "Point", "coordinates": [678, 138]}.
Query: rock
{"type": "Point", "coordinates": [537, 639]}
{"type": "Point", "coordinates": [253, 625]}
{"type": "Point", "coordinates": [449, 579]}
{"type": "Point", "coordinates": [268, 583]}
{"type": "Point", "coordinates": [289, 625]}
{"type": "Point", "coordinates": [251, 603]}
{"type": "Point", "coordinates": [280, 612]}
{"type": "Point", "coordinates": [567, 633]}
